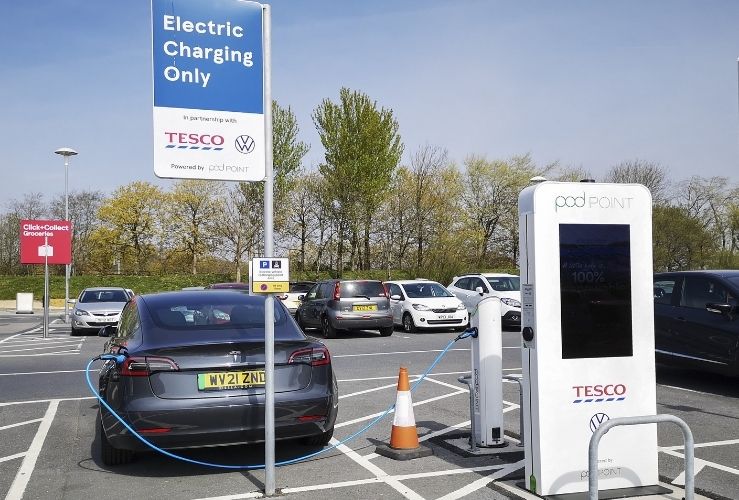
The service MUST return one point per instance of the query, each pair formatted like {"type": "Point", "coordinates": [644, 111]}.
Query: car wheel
{"type": "Point", "coordinates": [320, 439]}
{"type": "Point", "coordinates": [328, 329]}
{"type": "Point", "coordinates": [111, 455]}
{"type": "Point", "coordinates": [386, 332]}
{"type": "Point", "coordinates": [408, 325]}
{"type": "Point", "coordinates": [75, 332]}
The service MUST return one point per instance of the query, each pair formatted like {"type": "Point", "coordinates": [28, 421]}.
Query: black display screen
{"type": "Point", "coordinates": [595, 284]}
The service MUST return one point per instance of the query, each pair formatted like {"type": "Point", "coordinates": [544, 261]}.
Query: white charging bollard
{"type": "Point", "coordinates": [487, 374]}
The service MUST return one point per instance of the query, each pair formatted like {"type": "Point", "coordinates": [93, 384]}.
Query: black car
{"type": "Point", "coordinates": [339, 305]}
{"type": "Point", "coordinates": [695, 319]}
{"type": "Point", "coordinates": [194, 375]}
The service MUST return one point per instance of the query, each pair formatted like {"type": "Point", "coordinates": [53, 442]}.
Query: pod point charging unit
{"type": "Point", "coordinates": [587, 335]}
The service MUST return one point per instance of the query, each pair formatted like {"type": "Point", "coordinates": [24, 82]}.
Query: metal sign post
{"type": "Point", "coordinates": [46, 286]}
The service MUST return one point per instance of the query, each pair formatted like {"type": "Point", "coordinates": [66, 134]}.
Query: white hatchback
{"type": "Point", "coordinates": [471, 288]}
{"type": "Point", "coordinates": [424, 304]}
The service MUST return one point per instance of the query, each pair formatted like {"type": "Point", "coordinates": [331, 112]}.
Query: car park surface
{"type": "Point", "coordinates": [695, 319]}
{"type": "Point", "coordinates": [49, 448]}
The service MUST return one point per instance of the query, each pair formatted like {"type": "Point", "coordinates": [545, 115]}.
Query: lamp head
{"type": "Point", "coordinates": [66, 152]}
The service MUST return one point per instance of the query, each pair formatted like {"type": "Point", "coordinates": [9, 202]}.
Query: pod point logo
{"type": "Point", "coordinates": [244, 144]}
{"type": "Point", "coordinates": [583, 201]}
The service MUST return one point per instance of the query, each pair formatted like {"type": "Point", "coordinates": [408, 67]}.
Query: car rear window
{"type": "Point", "coordinates": [422, 290]}
{"type": "Point", "coordinates": [355, 289]}
{"type": "Point", "coordinates": [89, 296]}
{"type": "Point", "coordinates": [233, 314]}
{"type": "Point", "coordinates": [300, 287]}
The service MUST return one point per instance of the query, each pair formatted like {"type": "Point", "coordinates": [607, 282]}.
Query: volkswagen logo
{"type": "Point", "coordinates": [244, 144]}
{"type": "Point", "coordinates": [596, 420]}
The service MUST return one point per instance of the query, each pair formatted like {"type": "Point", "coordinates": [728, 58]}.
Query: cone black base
{"type": "Point", "coordinates": [404, 454]}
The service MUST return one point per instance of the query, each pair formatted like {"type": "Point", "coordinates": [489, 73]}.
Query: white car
{"type": "Point", "coordinates": [472, 288]}
{"type": "Point", "coordinates": [98, 307]}
{"type": "Point", "coordinates": [417, 304]}
{"type": "Point", "coordinates": [291, 299]}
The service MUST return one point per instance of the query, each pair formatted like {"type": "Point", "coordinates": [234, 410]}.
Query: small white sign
{"type": "Point", "coordinates": [45, 251]}
{"type": "Point", "coordinates": [270, 274]}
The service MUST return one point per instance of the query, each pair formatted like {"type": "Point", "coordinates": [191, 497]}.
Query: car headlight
{"type": "Point", "coordinates": [461, 307]}
{"type": "Point", "coordinates": [80, 312]}
{"type": "Point", "coordinates": [421, 307]}
{"type": "Point", "coordinates": [510, 302]}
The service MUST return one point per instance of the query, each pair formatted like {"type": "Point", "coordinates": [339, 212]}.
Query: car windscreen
{"type": "Point", "coordinates": [89, 296]}
{"type": "Point", "coordinates": [423, 290]}
{"type": "Point", "coordinates": [505, 283]}
{"type": "Point", "coordinates": [234, 315]}
{"type": "Point", "coordinates": [354, 289]}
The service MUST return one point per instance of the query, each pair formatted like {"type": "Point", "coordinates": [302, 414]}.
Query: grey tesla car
{"type": "Point", "coordinates": [194, 375]}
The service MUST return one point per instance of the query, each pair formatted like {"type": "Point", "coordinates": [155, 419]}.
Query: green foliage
{"type": "Point", "coordinates": [10, 285]}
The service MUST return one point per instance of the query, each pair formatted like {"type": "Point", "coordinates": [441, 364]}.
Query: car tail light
{"type": "Point", "coordinates": [337, 291]}
{"type": "Point", "coordinates": [315, 357]}
{"type": "Point", "coordinates": [311, 418]}
{"type": "Point", "coordinates": [386, 292]}
{"type": "Point", "coordinates": [145, 366]}
{"type": "Point", "coordinates": [154, 430]}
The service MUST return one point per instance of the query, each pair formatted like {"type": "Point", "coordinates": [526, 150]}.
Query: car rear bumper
{"type": "Point", "coordinates": [366, 322]}
{"type": "Point", "coordinates": [205, 424]}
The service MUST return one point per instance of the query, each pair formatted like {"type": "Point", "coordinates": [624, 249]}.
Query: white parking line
{"type": "Point", "coordinates": [343, 396]}
{"type": "Point", "coordinates": [60, 353]}
{"type": "Point", "coordinates": [378, 472]}
{"type": "Point", "coordinates": [701, 445]}
{"type": "Point", "coordinates": [12, 457]}
{"type": "Point", "coordinates": [75, 345]}
{"type": "Point", "coordinates": [14, 403]}
{"type": "Point", "coordinates": [482, 482]}
{"type": "Point", "coordinates": [713, 465]}
{"type": "Point", "coordinates": [367, 379]}
{"type": "Point", "coordinates": [18, 487]}
{"type": "Point", "coordinates": [26, 340]}
{"type": "Point", "coordinates": [21, 423]}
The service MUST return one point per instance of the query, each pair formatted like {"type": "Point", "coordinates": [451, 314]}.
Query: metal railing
{"type": "Point", "coordinates": [647, 419]}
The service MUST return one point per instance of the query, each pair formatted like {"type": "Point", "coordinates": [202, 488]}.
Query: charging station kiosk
{"type": "Point", "coordinates": [487, 374]}
{"type": "Point", "coordinates": [588, 334]}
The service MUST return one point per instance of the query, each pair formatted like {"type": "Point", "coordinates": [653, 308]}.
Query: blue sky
{"type": "Point", "coordinates": [587, 83]}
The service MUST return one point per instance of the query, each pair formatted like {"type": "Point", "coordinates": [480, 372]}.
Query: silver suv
{"type": "Point", "coordinates": [336, 305]}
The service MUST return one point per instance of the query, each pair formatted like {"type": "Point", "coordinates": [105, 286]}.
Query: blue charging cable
{"type": "Point", "coordinates": [119, 358]}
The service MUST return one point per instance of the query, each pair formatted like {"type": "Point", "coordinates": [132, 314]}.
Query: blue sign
{"type": "Point", "coordinates": [263, 264]}
{"type": "Point", "coordinates": [207, 55]}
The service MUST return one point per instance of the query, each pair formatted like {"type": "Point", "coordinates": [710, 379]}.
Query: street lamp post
{"type": "Point", "coordinates": [66, 153]}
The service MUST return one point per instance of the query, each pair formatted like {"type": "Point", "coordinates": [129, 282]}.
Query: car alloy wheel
{"type": "Point", "coordinates": [408, 325]}
{"type": "Point", "coordinates": [328, 329]}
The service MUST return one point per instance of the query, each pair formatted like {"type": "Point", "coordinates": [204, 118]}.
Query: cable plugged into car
{"type": "Point", "coordinates": [309, 356]}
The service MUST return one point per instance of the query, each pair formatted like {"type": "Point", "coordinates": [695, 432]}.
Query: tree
{"type": "Point", "coordinates": [31, 206]}
{"type": "Point", "coordinates": [132, 214]}
{"type": "Point", "coordinates": [680, 240]}
{"type": "Point", "coordinates": [191, 207]}
{"type": "Point", "coordinates": [650, 174]}
{"type": "Point", "coordinates": [362, 150]}
{"type": "Point", "coordinates": [83, 212]}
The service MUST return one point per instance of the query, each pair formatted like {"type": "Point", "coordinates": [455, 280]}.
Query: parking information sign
{"type": "Point", "coordinates": [46, 239]}
{"type": "Point", "coordinates": [208, 89]}
{"type": "Point", "coordinates": [270, 275]}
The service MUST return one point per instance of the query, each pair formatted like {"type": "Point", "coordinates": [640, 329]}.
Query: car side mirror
{"type": "Point", "coordinates": [396, 297]}
{"type": "Point", "coordinates": [105, 331]}
{"type": "Point", "coordinates": [479, 290]}
{"type": "Point", "coordinates": [723, 309]}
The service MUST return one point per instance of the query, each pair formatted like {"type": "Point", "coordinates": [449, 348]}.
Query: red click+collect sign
{"type": "Point", "coordinates": [42, 239]}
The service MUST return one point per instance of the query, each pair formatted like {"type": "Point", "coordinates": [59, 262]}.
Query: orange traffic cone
{"type": "Point", "coordinates": [404, 443]}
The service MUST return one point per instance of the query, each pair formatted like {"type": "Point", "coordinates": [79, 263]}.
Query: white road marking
{"type": "Point", "coordinates": [378, 472]}
{"type": "Point", "coordinates": [12, 457]}
{"type": "Point", "coordinates": [14, 403]}
{"type": "Point", "coordinates": [6, 339]}
{"type": "Point", "coordinates": [392, 352]}
{"type": "Point", "coordinates": [25, 340]}
{"type": "Point", "coordinates": [683, 389]}
{"type": "Point", "coordinates": [701, 445]}
{"type": "Point", "coordinates": [713, 465]}
{"type": "Point", "coordinates": [21, 423]}
{"type": "Point", "coordinates": [75, 345]}
{"type": "Point", "coordinates": [60, 353]}
{"type": "Point", "coordinates": [41, 373]}
{"type": "Point", "coordinates": [375, 415]}
{"type": "Point", "coordinates": [482, 482]}
{"type": "Point", "coordinates": [698, 466]}
{"type": "Point", "coordinates": [29, 461]}
{"type": "Point", "coordinates": [342, 396]}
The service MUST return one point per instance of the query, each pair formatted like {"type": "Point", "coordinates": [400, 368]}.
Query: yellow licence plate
{"type": "Point", "coordinates": [230, 380]}
{"type": "Point", "coordinates": [369, 307]}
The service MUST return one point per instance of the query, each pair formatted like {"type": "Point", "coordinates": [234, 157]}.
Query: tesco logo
{"type": "Point", "coordinates": [587, 391]}
{"type": "Point", "coordinates": [195, 139]}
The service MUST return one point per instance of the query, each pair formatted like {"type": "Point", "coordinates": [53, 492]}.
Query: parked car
{"type": "Point", "coordinates": [424, 304]}
{"type": "Point", "coordinates": [695, 319]}
{"type": "Point", "coordinates": [472, 288]}
{"type": "Point", "coordinates": [98, 307]}
{"type": "Point", "coordinates": [191, 379]}
{"type": "Point", "coordinates": [297, 288]}
{"type": "Point", "coordinates": [337, 305]}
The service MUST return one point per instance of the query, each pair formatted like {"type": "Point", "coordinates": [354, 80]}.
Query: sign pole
{"type": "Point", "coordinates": [46, 286]}
{"type": "Point", "coordinates": [269, 325]}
